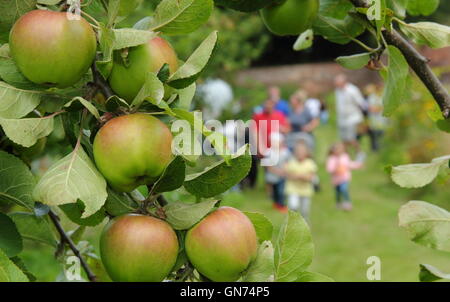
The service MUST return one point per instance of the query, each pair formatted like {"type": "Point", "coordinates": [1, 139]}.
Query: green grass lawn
{"type": "Point", "coordinates": [344, 240]}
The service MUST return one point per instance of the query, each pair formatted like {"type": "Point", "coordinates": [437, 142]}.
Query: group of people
{"type": "Point", "coordinates": [292, 180]}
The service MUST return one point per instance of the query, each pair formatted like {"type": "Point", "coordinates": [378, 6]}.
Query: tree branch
{"type": "Point", "coordinates": [66, 239]}
{"type": "Point", "coordinates": [418, 63]}
{"type": "Point", "coordinates": [101, 83]}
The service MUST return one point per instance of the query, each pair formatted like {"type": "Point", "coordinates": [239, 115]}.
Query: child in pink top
{"type": "Point", "coordinates": [340, 166]}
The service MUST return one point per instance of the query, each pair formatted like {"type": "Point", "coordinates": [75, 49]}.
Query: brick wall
{"type": "Point", "coordinates": [324, 73]}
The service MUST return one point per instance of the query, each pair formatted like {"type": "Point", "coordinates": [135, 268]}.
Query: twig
{"type": "Point", "coordinates": [65, 238]}
{"type": "Point", "coordinates": [101, 83]}
{"type": "Point", "coordinates": [418, 63]}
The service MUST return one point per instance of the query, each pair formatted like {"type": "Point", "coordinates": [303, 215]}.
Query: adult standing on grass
{"type": "Point", "coordinates": [280, 104]}
{"type": "Point", "coordinates": [349, 110]}
{"type": "Point", "coordinates": [302, 121]}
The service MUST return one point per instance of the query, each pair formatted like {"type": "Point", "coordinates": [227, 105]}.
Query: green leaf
{"type": "Point", "coordinates": [88, 105]}
{"type": "Point", "coordinates": [9, 272]}
{"type": "Point", "coordinates": [396, 81]}
{"type": "Point", "coordinates": [244, 5]}
{"type": "Point", "coordinates": [16, 103]}
{"type": "Point", "coordinates": [313, 277]}
{"type": "Point", "coordinates": [71, 178]}
{"type": "Point", "coordinates": [418, 175]}
{"type": "Point", "coordinates": [113, 11]}
{"type": "Point", "coordinates": [183, 216]}
{"type": "Point", "coordinates": [431, 34]}
{"type": "Point", "coordinates": [262, 269]}
{"type": "Point", "coordinates": [191, 146]}
{"type": "Point", "coordinates": [34, 228]}
{"type": "Point", "coordinates": [294, 248]}
{"type": "Point", "coordinates": [106, 42]}
{"type": "Point", "coordinates": [304, 40]}
{"type": "Point", "coordinates": [11, 75]}
{"type": "Point", "coordinates": [27, 131]}
{"type": "Point", "coordinates": [16, 181]}
{"type": "Point", "coordinates": [129, 37]}
{"type": "Point", "coordinates": [429, 273]}
{"type": "Point", "coordinates": [74, 211]}
{"type": "Point", "coordinates": [426, 224]}
{"type": "Point", "coordinates": [195, 64]}
{"type": "Point", "coordinates": [219, 177]}
{"type": "Point", "coordinates": [11, 12]}
{"type": "Point", "coordinates": [118, 203]}
{"type": "Point", "coordinates": [185, 96]}
{"type": "Point", "coordinates": [262, 224]}
{"type": "Point", "coordinates": [340, 31]}
{"type": "Point", "coordinates": [152, 90]}
{"type": "Point", "coordinates": [357, 61]}
{"type": "Point", "coordinates": [21, 265]}
{"type": "Point", "coordinates": [10, 239]}
{"type": "Point", "coordinates": [422, 7]}
{"type": "Point", "coordinates": [172, 177]}
{"type": "Point", "coordinates": [177, 17]}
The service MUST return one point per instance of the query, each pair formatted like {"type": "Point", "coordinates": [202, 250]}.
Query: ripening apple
{"type": "Point", "coordinates": [132, 150]}
{"type": "Point", "coordinates": [127, 79]}
{"type": "Point", "coordinates": [138, 248]}
{"type": "Point", "coordinates": [49, 48]}
{"type": "Point", "coordinates": [290, 17]}
{"type": "Point", "coordinates": [222, 245]}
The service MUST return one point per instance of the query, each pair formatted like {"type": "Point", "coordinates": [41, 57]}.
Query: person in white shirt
{"type": "Point", "coordinates": [349, 108]}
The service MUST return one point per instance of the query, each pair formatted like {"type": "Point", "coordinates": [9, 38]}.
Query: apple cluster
{"type": "Point", "coordinates": [131, 150]}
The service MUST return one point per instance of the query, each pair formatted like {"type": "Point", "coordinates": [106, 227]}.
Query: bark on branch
{"type": "Point", "coordinates": [418, 63]}
{"type": "Point", "coordinates": [66, 239]}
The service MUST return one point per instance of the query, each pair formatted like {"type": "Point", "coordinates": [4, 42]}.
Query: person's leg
{"type": "Point", "coordinates": [305, 206]}
{"type": "Point", "coordinates": [337, 189]}
{"type": "Point", "coordinates": [294, 202]}
{"type": "Point", "coordinates": [347, 203]}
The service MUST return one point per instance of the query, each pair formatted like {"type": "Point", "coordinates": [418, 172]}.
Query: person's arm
{"type": "Point", "coordinates": [358, 98]}
{"type": "Point", "coordinates": [353, 165]}
{"type": "Point", "coordinates": [331, 165]}
{"type": "Point", "coordinates": [276, 170]}
{"type": "Point", "coordinates": [285, 125]}
{"type": "Point", "coordinates": [311, 125]}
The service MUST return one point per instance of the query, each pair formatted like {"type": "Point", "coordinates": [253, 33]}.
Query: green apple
{"type": "Point", "coordinates": [290, 17]}
{"type": "Point", "coordinates": [127, 78]}
{"type": "Point", "coordinates": [132, 150]}
{"type": "Point", "coordinates": [138, 248]}
{"type": "Point", "coordinates": [222, 245]}
{"type": "Point", "coordinates": [51, 49]}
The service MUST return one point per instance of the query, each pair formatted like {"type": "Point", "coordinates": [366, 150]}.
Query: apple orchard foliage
{"type": "Point", "coordinates": [95, 180]}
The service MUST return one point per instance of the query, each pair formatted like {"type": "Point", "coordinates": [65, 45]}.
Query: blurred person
{"type": "Point", "coordinates": [280, 104]}
{"type": "Point", "coordinates": [377, 122]}
{"type": "Point", "coordinates": [275, 176]}
{"type": "Point", "coordinates": [300, 171]}
{"type": "Point", "coordinates": [340, 167]}
{"type": "Point", "coordinates": [263, 126]}
{"type": "Point", "coordinates": [302, 121]}
{"type": "Point", "coordinates": [312, 101]}
{"type": "Point", "coordinates": [349, 109]}
{"type": "Point", "coordinates": [302, 124]}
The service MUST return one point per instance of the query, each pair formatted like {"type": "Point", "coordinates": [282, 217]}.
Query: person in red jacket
{"type": "Point", "coordinates": [268, 121]}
